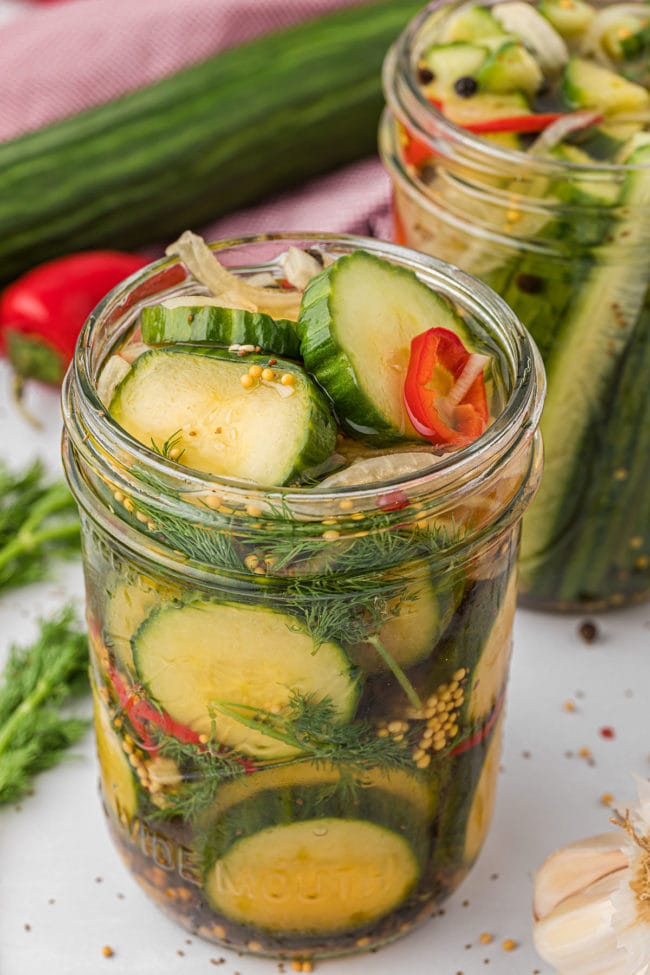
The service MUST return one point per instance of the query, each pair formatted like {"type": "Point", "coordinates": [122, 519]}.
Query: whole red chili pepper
{"type": "Point", "coordinates": [444, 390]}
{"type": "Point", "coordinates": [41, 313]}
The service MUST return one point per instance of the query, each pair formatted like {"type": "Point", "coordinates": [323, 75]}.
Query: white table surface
{"type": "Point", "coordinates": [64, 894]}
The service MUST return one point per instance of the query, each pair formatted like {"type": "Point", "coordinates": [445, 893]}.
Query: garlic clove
{"type": "Point", "coordinates": [575, 867]}
{"type": "Point", "coordinates": [579, 936]}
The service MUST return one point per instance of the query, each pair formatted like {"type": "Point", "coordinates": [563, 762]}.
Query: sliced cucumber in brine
{"type": "Point", "coordinates": [357, 320]}
{"type": "Point", "coordinates": [220, 667]}
{"type": "Point", "coordinates": [218, 413]}
{"type": "Point", "coordinates": [316, 853]}
{"type": "Point", "coordinates": [199, 322]}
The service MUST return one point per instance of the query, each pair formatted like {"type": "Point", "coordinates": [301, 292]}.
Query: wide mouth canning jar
{"type": "Point", "coordinates": [559, 226]}
{"type": "Point", "coordinates": [299, 691]}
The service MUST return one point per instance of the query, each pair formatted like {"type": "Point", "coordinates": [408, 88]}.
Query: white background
{"type": "Point", "coordinates": [64, 893]}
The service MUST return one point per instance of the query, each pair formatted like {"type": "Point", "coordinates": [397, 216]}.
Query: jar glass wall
{"type": "Point", "coordinates": [564, 240]}
{"type": "Point", "coordinates": [299, 693]}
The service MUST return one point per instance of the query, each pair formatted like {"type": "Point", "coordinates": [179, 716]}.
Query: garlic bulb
{"type": "Point", "coordinates": [592, 900]}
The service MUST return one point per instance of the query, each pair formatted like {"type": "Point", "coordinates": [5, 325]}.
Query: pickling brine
{"type": "Point", "coordinates": [301, 467]}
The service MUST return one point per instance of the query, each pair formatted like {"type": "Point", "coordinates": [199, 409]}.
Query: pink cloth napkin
{"type": "Point", "coordinates": [59, 59]}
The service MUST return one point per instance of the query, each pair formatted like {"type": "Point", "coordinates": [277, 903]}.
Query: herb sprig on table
{"type": "Point", "coordinates": [38, 523]}
{"type": "Point", "coordinates": [38, 682]}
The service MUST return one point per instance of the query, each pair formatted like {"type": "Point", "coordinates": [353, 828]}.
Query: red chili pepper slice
{"type": "Point", "coordinates": [530, 123]}
{"type": "Point", "coordinates": [481, 734]}
{"type": "Point", "coordinates": [444, 390]}
{"type": "Point", "coordinates": [41, 313]}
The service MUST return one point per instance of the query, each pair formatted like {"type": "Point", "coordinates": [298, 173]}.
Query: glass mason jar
{"type": "Point", "coordinates": [298, 692]}
{"type": "Point", "coordinates": [566, 245]}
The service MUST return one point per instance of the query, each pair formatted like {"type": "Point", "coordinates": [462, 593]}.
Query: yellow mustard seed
{"type": "Point", "coordinates": [255, 371]}
{"type": "Point", "coordinates": [509, 944]}
{"type": "Point", "coordinates": [268, 375]}
{"type": "Point", "coordinates": [253, 511]}
{"type": "Point", "coordinates": [569, 705]}
{"type": "Point", "coordinates": [107, 951]}
{"type": "Point", "coordinates": [287, 379]}
{"type": "Point", "coordinates": [486, 938]}
{"type": "Point", "coordinates": [345, 504]}
{"type": "Point", "coordinates": [607, 799]}
{"type": "Point", "coordinates": [331, 535]}
{"type": "Point", "coordinates": [246, 381]}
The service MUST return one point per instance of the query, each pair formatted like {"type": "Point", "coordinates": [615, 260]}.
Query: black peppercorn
{"type": "Point", "coordinates": [466, 86]}
{"type": "Point", "coordinates": [530, 284]}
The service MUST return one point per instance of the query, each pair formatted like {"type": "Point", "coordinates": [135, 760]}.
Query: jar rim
{"type": "Point", "coordinates": [86, 417]}
{"type": "Point", "coordinates": [405, 98]}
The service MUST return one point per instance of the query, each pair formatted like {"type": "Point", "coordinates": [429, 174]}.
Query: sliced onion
{"type": "Point", "coordinates": [590, 43]}
{"type": "Point", "coordinates": [384, 467]}
{"type": "Point", "coordinates": [229, 288]}
{"type": "Point", "coordinates": [299, 267]}
{"type": "Point", "coordinates": [556, 132]}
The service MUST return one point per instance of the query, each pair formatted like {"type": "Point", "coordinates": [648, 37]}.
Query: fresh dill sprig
{"type": "Point", "coordinates": [38, 681]}
{"type": "Point", "coordinates": [206, 770]}
{"type": "Point", "coordinates": [38, 522]}
{"type": "Point", "coordinates": [307, 726]}
{"type": "Point", "coordinates": [311, 728]}
{"type": "Point", "coordinates": [170, 445]}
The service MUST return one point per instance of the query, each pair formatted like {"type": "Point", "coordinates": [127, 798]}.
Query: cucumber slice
{"type": "Point", "coordinates": [473, 23]}
{"type": "Point", "coordinates": [536, 33]}
{"type": "Point", "coordinates": [209, 323]}
{"type": "Point", "coordinates": [478, 642]}
{"type": "Point", "coordinates": [196, 401]}
{"type": "Point", "coordinates": [482, 806]}
{"type": "Point", "coordinates": [485, 105]}
{"type": "Point", "coordinates": [411, 634]}
{"type": "Point", "coordinates": [468, 802]}
{"type": "Point", "coordinates": [570, 18]}
{"type": "Point", "coordinates": [319, 877]}
{"type": "Point", "coordinates": [589, 85]}
{"type": "Point", "coordinates": [313, 856]}
{"type": "Point", "coordinates": [128, 604]}
{"type": "Point", "coordinates": [490, 675]}
{"type": "Point", "coordinates": [403, 786]}
{"type": "Point", "coordinates": [357, 320]}
{"type": "Point", "coordinates": [198, 654]}
{"type": "Point", "coordinates": [510, 68]}
{"type": "Point", "coordinates": [597, 327]}
{"type": "Point", "coordinates": [116, 774]}
{"type": "Point", "coordinates": [449, 62]}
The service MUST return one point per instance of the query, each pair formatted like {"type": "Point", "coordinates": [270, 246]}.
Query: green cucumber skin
{"type": "Point", "coordinates": [330, 365]}
{"type": "Point", "coordinates": [594, 337]}
{"type": "Point", "coordinates": [277, 807]}
{"type": "Point", "coordinates": [613, 523]}
{"type": "Point", "coordinates": [325, 355]}
{"type": "Point", "coordinates": [224, 326]}
{"type": "Point", "coordinates": [208, 140]}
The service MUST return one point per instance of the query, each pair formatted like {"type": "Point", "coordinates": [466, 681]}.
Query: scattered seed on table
{"type": "Point", "coordinates": [607, 732]}
{"type": "Point", "coordinates": [509, 944]}
{"type": "Point", "coordinates": [606, 799]}
{"type": "Point", "coordinates": [588, 631]}
{"type": "Point", "coordinates": [486, 938]}
{"type": "Point", "coordinates": [107, 951]}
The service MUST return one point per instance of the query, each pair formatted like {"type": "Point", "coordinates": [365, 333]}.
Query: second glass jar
{"type": "Point", "coordinates": [566, 245]}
